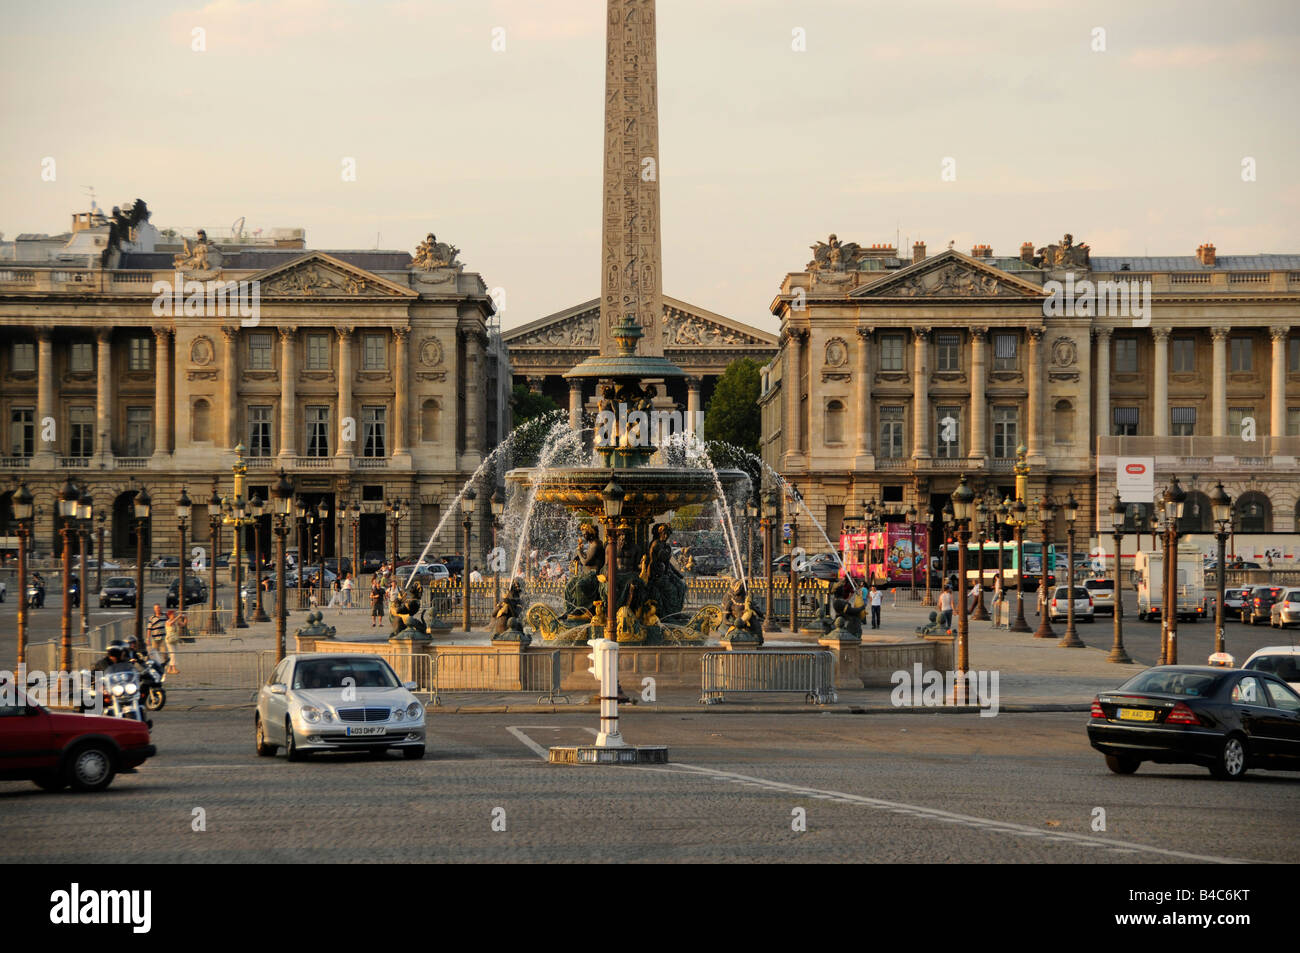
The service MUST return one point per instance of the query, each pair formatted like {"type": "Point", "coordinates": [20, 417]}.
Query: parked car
{"type": "Point", "coordinates": [781, 567]}
{"type": "Point", "coordinates": [1285, 610]}
{"type": "Point", "coordinates": [321, 702]}
{"type": "Point", "coordinates": [1228, 720]}
{"type": "Point", "coordinates": [119, 591]}
{"type": "Point", "coordinates": [456, 564]}
{"type": "Point", "coordinates": [1259, 604]}
{"type": "Point", "coordinates": [371, 560]}
{"type": "Point", "coordinates": [1103, 595]}
{"type": "Point", "coordinates": [166, 562]}
{"type": "Point", "coordinates": [311, 576]}
{"type": "Point", "coordinates": [1058, 605]}
{"type": "Point", "coordinates": [1280, 660]}
{"type": "Point", "coordinates": [438, 571]}
{"type": "Point", "coordinates": [1234, 601]}
{"type": "Point", "coordinates": [57, 749]}
{"type": "Point", "coordinates": [332, 564]}
{"type": "Point", "coordinates": [827, 566]}
{"type": "Point", "coordinates": [423, 575]}
{"type": "Point", "coordinates": [196, 592]}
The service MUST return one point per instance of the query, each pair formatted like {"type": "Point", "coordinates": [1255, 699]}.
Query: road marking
{"type": "Point", "coordinates": [517, 731]}
{"type": "Point", "coordinates": [988, 824]}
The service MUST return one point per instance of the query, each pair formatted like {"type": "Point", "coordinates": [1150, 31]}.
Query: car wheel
{"type": "Point", "coordinates": [264, 748]}
{"type": "Point", "coordinates": [413, 753]}
{"type": "Point", "coordinates": [90, 768]}
{"type": "Point", "coordinates": [1231, 763]}
{"type": "Point", "coordinates": [1122, 765]}
{"type": "Point", "coordinates": [50, 782]}
{"type": "Point", "coordinates": [291, 743]}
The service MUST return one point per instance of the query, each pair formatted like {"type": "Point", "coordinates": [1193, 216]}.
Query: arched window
{"type": "Point", "coordinates": [1254, 513]}
{"type": "Point", "coordinates": [201, 422]}
{"type": "Point", "coordinates": [430, 421]}
{"type": "Point", "coordinates": [1063, 421]}
{"type": "Point", "coordinates": [834, 429]}
{"type": "Point", "coordinates": [1198, 515]}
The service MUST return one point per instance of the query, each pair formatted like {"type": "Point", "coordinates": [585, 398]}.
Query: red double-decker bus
{"type": "Point", "coordinates": [887, 556]}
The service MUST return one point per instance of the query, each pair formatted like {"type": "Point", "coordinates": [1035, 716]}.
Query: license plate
{"type": "Point", "coordinates": [1137, 714]}
{"type": "Point", "coordinates": [376, 730]}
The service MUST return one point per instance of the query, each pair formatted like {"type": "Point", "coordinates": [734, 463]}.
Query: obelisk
{"type": "Point", "coordinates": [630, 248]}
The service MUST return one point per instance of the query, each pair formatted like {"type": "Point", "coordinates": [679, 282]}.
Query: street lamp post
{"type": "Point", "coordinates": [1020, 518]}
{"type": "Point", "coordinates": [21, 502]}
{"type": "Point", "coordinates": [238, 520]}
{"type": "Point", "coordinates": [184, 506]}
{"type": "Point", "coordinates": [1003, 520]}
{"type": "Point", "coordinates": [395, 515]}
{"type": "Point", "coordinates": [322, 519]}
{"type": "Point", "coordinates": [911, 523]}
{"type": "Point", "coordinates": [614, 497]}
{"type": "Point", "coordinates": [765, 522]}
{"type": "Point", "coordinates": [467, 524]}
{"type": "Point", "coordinates": [963, 510]}
{"type": "Point", "coordinates": [301, 518]}
{"type": "Point", "coordinates": [793, 494]}
{"type": "Point", "coordinates": [1221, 503]}
{"type": "Point", "coordinates": [981, 510]}
{"type": "Point", "coordinates": [283, 507]}
{"type": "Point", "coordinates": [498, 507]}
{"type": "Point", "coordinates": [355, 510]}
{"type": "Point", "coordinates": [751, 514]}
{"type": "Point", "coordinates": [1046, 514]}
{"type": "Point", "coordinates": [947, 522]}
{"type": "Point", "coordinates": [142, 505]}
{"type": "Point", "coordinates": [928, 515]}
{"type": "Point", "coordinates": [67, 510]}
{"type": "Point", "coordinates": [1117, 653]}
{"type": "Point", "coordinates": [85, 510]}
{"type": "Point", "coordinates": [1175, 497]}
{"type": "Point", "coordinates": [258, 507]}
{"type": "Point", "coordinates": [1071, 640]}
{"type": "Point", "coordinates": [99, 561]}
{"type": "Point", "coordinates": [214, 541]}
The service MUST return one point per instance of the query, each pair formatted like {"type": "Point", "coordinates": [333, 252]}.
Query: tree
{"type": "Point", "coordinates": [527, 405]}
{"type": "Point", "coordinates": [733, 415]}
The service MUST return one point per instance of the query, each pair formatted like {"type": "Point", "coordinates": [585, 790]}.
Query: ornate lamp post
{"type": "Point", "coordinates": [69, 497]}
{"type": "Point", "coordinates": [395, 513]}
{"type": "Point", "coordinates": [1046, 514]}
{"type": "Point", "coordinates": [184, 507]}
{"type": "Point", "coordinates": [1071, 640]}
{"type": "Point", "coordinates": [947, 522]}
{"type": "Point", "coordinates": [322, 520]}
{"type": "Point", "coordinates": [1175, 497]}
{"type": "Point", "coordinates": [467, 524]}
{"type": "Point", "coordinates": [214, 540]}
{"type": "Point", "coordinates": [928, 515]}
{"type": "Point", "coordinates": [1117, 653]}
{"type": "Point", "coordinates": [21, 502]}
{"type": "Point", "coordinates": [1221, 503]}
{"type": "Point", "coordinates": [237, 517]}
{"type": "Point", "coordinates": [980, 519]}
{"type": "Point", "coordinates": [142, 506]}
{"type": "Point", "coordinates": [751, 513]}
{"type": "Point", "coordinates": [770, 503]}
{"type": "Point", "coordinates": [355, 510]}
{"type": "Point", "coordinates": [1003, 519]}
{"type": "Point", "coordinates": [99, 561]}
{"type": "Point", "coordinates": [1019, 519]}
{"type": "Point", "coordinates": [282, 504]}
{"type": "Point", "coordinates": [963, 507]}
{"type": "Point", "coordinates": [793, 495]}
{"type": "Point", "coordinates": [614, 497]}
{"type": "Point", "coordinates": [498, 507]}
{"type": "Point", "coordinates": [257, 507]}
{"type": "Point", "coordinates": [911, 526]}
{"type": "Point", "coordinates": [85, 510]}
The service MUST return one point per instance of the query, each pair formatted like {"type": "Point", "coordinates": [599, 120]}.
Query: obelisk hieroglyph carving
{"type": "Point", "coordinates": [630, 249]}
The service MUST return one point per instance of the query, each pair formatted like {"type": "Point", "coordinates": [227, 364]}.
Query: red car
{"type": "Point", "coordinates": [56, 749]}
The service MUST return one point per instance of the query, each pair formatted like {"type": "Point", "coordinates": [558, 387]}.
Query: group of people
{"type": "Point", "coordinates": [948, 600]}
{"type": "Point", "coordinates": [164, 634]}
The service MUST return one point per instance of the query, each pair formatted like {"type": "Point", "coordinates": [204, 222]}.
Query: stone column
{"type": "Point", "coordinates": [1160, 374]}
{"type": "Point", "coordinates": [864, 390]}
{"type": "Point", "coordinates": [162, 391]}
{"type": "Point", "coordinates": [230, 394]}
{"type": "Point", "coordinates": [1103, 385]}
{"type": "Point", "coordinates": [104, 395]}
{"type": "Point", "coordinates": [347, 447]}
{"type": "Point", "coordinates": [45, 375]}
{"type": "Point", "coordinates": [575, 405]}
{"type": "Point", "coordinates": [921, 393]}
{"type": "Point", "coordinates": [401, 396]}
{"type": "Point", "coordinates": [791, 384]}
{"type": "Point", "coordinates": [1034, 445]}
{"type": "Point", "coordinates": [1277, 386]}
{"type": "Point", "coordinates": [692, 402]}
{"type": "Point", "coordinates": [978, 405]}
{"type": "Point", "coordinates": [288, 393]}
{"type": "Point", "coordinates": [474, 422]}
{"type": "Point", "coordinates": [1219, 370]}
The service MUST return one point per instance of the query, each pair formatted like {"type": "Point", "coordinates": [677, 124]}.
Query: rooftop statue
{"type": "Point", "coordinates": [431, 254]}
{"type": "Point", "coordinates": [1065, 255]}
{"type": "Point", "coordinates": [832, 255]}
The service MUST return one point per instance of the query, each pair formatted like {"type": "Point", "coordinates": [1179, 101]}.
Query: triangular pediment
{"type": "Point", "coordinates": [950, 274]}
{"type": "Point", "coordinates": [683, 325]}
{"type": "Point", "coordinates": [318, 275]}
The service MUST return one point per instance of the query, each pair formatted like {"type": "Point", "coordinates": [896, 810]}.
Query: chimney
{"type": "Point", "coordinates": [981, 251]}
{"type": "Point", "coordinates": [1027, 252]}
{"type": "Point", "coordinates": [918, 252]}
{"type": "Point", "coordinates": [1205, 254]}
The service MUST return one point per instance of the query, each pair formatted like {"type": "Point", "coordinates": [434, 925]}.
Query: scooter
{"type": "Point", "coordinates": [35, 596]}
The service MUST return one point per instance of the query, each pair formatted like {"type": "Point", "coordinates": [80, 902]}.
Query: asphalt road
{"type": "Point", "coordinates": [880, 789]}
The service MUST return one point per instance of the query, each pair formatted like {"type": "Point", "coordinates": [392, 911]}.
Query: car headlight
{"type": "Point", "coordinates": [104, 594]}
{"type": "Point", "coordinates": [399, 714]}
{"type": "Point", "coordinates": [414, 710]}
{"type": "Point", "coordinates": [117, 689]}
{"type": "Point", "coordinates": [310, 714]}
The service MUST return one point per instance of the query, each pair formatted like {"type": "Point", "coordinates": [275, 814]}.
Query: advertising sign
{"type": "Point", "coordinates": [1135, 479]}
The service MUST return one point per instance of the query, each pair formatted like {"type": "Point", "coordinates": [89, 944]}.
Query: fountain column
{"type": "Point", "coordinates": [692, 402]}
{"type": "Point", "coordinates": [575, 405]}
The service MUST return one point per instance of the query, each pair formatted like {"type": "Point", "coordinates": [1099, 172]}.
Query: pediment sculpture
{"type": "Point", "coordinates": [431, 254]}
{"type": "Point", "coordinates": [314, 279]}
{"type": "Point", "coordinates": [952, 280]}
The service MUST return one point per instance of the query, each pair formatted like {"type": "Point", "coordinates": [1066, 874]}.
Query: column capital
{"type": "Point", "coordinates": [104, 335]}
{"type": "Point", "coordinates": [400, 333]}
{"type": "Point", "coordinates": [979, 334]}
{"type": "Point", "coordinates": [1102, 334]}
{"type": "Point", "coordinates": [1278, 332]}
{"type": "Point", "coordinates": [1161, 334]}
{"type": "Point", "coordinates": [800, 335]}
{"type": "Point", "coordinates": [286, 331]}
{"type": "Point", "coordinates": [1036, 333]}
{"type": "Point", "coordinates": [1220, 333]}
{"type": "Point", "coordinates": [230, 332]}
{"type": "Point", "coordinates": [44, 335]}
{"type": "Point", "coordinates": [866, 333]}
{"type": "Point", "coordinates": [161, 331]}
{"type": "Point", "coordinates": [921, 335]}
{"type": "Point", "coordinates": [344, 333]}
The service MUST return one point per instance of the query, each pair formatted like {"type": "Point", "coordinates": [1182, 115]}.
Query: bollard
{"type": "Point", "coordinates": [604, 666]}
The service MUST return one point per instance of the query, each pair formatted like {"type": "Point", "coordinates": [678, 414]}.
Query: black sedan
{"type": "Point", "coordinates": [196, 592]}
{"type": "Point", "coordinates": [117, 591]}
{"type": "Point", "coordinates": [1227, 720]}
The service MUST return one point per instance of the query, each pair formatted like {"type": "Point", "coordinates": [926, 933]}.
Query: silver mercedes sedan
{"type": "Point", "coordinates": [321, 702]}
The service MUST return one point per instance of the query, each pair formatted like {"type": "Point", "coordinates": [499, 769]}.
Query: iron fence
{"type": "Point", "coordinates": [811, 674]}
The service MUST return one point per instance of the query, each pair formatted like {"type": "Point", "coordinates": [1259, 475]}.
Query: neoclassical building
{"type": "Point", "coordinates": [363, 374]}
{"type": "Point", "coordinates": [896, 375]}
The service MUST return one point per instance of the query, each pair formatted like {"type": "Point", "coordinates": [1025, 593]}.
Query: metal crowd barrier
{"type": "Point", "coordinates": [811, 674]}
{"type": "Point", "coordinates": [498, 673]}
{"type": "Point", "coordinates": [211, 670]}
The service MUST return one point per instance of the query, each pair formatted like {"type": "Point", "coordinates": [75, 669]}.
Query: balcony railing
{"type": "Point", "coordinates": [370, 463]}
{"type": "Point", "coordinates": [1202, 450]}
{"type": "Point", "coordinates": [260, 463]}
{"type": "Point", "coordinates": [15, 463]}
{"type": "Point", "coordinates": [893, 463]}
{"type": "Point", "coordinates": [132, 463]}
{"type": "Point", "coordinates": [314, 463]}
{"type": "Point", "coordinates": [74, 463]}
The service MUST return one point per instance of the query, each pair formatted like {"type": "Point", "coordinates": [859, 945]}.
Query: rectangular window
{"type": "Point", "coordinates": [1242, 357]}
{"type": "Point", "coordinates": [22, 431]}
{"type": "Point", "coordinates": [1293, 421]}
{"type": "Point", "coordinates": [318, 352]}
{"type": "Point", "coordinates": [948, 432]}
{"type": "Point", "coordinates": [1237, 417]}
{"type": "Point", "coordinates": [373, 355]}
{"type": "Point", "coordinates": [1005, 352]}
{"type": "Point", "coordinates": [139, 355]}
{"type": "Point", "coordinates": [318, 424]}
{"type": "Point", "coordinates": [259, 431]}
{"type": "Point", "coordinates": [81, 357]}
{"type": "Point", "coordinates": [372, 433]}
{"type": "Point", "coordinates": [139, 431]}
{"type": "Point", "coordinates": [891, 431]}
{"type": "Point", "coordinates": [949, 351]}
{"type": "Point", "coordinates": [1182, 421]}
{"type": "Point", "coordinates": [1183, 357]}
{"type": "Point", "coordinates": [1293, 354]}
{"type": "Point", "coordinates": [81, 426]}
{"type": "Point", "coordinates": [259, 351]}
{"type": "Point", "coordinates": [1006, 431]}
{"type": "Point", "coordinates": [1124, 421]}
{"type": "Point", "coordinates": [24, 358]}
{"type": "Point", "coordinates": [891, 352]}
{"type": "Point", "coordinates": [1126, 355]}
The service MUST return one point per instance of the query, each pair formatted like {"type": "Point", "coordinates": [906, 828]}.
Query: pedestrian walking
{"type": "Point", "coordinates": [999, 604]}
{"type": "Point", "coordinates": [173, 634]}
{"type": "Point", "coordinates": [336, 593]}
{"type": "Point", "coordinates": [945, 608]}
{"type": "Point", "coordinates": [877, 598]}
{"type": "Point", "coordinates": [376, 601]}
{"type": "Point", "coordinates": [475, 576]}
{"type": "Point", "coordinates": [157, 628]}
{"type": "Point", "coordinates": [347, 590]}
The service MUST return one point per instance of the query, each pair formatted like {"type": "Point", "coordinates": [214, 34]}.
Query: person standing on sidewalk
{"type": "Point", "coordinates": [877, 597]}
{"type": "Point", "coordinates": [347, 591]}
{"type": "Point", "coordinates": [999, 603]}
{"type": "Point", "coordinates": [945, 608]}
{"type": "Point", "coordinates": [376, 600]}
{"type": "Point", "coordinates": [156, 628]}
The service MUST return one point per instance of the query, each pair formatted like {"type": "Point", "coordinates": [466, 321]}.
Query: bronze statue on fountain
{"type": "Point", "coordinates": [583, 587]}
{"type": "Point", "coordinates": [508, 617]}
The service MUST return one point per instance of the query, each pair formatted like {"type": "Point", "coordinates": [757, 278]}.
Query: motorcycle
{"type": "Point", "coordinates": [152, 676]}
{"type": "Point", "coordinates": [122, 693]}
{"type": "Point", "coordinates": [35, 596]}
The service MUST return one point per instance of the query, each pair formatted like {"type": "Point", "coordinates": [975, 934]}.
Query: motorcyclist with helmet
{"type": "Point", "coordinates": [115, 655]}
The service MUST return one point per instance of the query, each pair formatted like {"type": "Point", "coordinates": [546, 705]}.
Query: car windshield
{"type": "Point", "coordinates": [1285, 667]}
{"type": "Point", "coordinates": [330, 673]}
{"type": "Point", "coordinates": [1166, 682]}
{"type": "Point", "coordinates": [120, 582]}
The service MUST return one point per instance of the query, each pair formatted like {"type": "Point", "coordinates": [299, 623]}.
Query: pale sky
{"type": "Point", "coordinates": [764, 149]}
